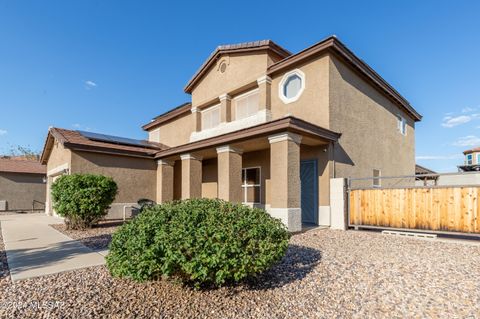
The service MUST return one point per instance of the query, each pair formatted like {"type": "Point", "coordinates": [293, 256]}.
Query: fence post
{"type": "Point", "coordinates": [338, 204]}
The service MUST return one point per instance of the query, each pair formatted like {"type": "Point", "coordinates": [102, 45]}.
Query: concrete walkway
{"type": "Point", "coordinates": [35, 249]}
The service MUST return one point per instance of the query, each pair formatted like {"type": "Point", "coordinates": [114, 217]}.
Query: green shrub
{"type": "Point", "coordinates": [83, 199]}
{"type": "Point", "coordinates": [203, 242]}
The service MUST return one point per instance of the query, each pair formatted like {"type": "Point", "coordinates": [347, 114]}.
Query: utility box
{"type": "Point", "coordinates": [3, 205]}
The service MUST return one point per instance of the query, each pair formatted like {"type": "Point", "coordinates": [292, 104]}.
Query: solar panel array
{"type": "Point", "coordinates": [115, 139]}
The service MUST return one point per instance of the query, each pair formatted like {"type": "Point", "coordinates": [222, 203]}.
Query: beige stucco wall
{"type": "Point", "coordinates": [312, 105]}
{"type": "Point", "coordinates": [209, 178]}
{"type": "Point", "coordinates": [59, 156]}
{"type": "Point", "coordinates": [135, 177]}
{"type": "Point", "coordinates": [368, 123]}
{"type": "Point", "coordinates": [19, 190]}
{"type": "Point", "coordinates": [173, 133]}
{"type": "Point", "coordinates": [242, 69]}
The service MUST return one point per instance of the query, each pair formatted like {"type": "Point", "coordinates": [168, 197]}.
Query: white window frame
{"type": "Point", "coordinates": [245, 185]}
{"type": "Point", "coordinates": [469, 158]}
{"type": "Point", "coordinates": [243, 95]}
{"type": "Point", "coordinates": [284, 80]}
{"type": "Point", "coordinates": [377, 182]}
{"type": "Point", "coordinates": [478, 158]}
{"type": "Point", "coordinates": [210, 109]}
{"type": "Point", "coordinates": [402, 125]}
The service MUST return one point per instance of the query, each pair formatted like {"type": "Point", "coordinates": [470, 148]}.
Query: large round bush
{"type": "Point", "coordinates": [202, 242]}
{"type": "Point", "coordinates": [83, 199]}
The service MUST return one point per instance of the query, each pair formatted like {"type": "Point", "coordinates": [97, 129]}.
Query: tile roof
{"type": "Point", "coordinates": [168, 115]}
{"type": "Point", "coordinates": [21, 166]}
{"type": "Point", "coordinates": [74, 140]}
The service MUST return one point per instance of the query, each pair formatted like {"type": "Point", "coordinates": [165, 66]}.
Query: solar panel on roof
{"type": "Point", "coordinates": [115, 139]}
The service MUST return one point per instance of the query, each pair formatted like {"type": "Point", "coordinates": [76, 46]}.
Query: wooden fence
{"type": "Point", "coordinates": [454, 209]}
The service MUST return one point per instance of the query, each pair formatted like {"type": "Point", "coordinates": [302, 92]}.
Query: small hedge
{"type": "Point", "coordinates": [83, 199]}
{"type": "Point", "coordinates": [203, 242]}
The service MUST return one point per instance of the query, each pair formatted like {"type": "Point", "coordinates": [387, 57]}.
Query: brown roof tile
{"type": "Point", "coordinates": [21, 166]}
{"type": "Point", "coordinates": [74, 140]}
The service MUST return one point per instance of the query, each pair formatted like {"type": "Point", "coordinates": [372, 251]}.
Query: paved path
{"type": "Point", "coordinates": [35, 249]}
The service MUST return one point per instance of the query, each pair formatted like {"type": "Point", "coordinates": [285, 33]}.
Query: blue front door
{"type": "Point", "coordinates": [309, 191]}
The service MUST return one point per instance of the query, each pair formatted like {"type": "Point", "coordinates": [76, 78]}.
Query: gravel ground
{"type": "Point", "coordinates": [325, 274]}
{"type": "Point", "coordinates": [95, 238]}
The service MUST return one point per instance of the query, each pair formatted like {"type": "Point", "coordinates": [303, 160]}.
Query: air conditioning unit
{"type": "Point", "coordinates": [3, 205]}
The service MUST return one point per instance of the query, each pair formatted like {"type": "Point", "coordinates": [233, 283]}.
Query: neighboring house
{"type": "Point", "coordinates": [22, 185]}
{"type": "Point", "coordinates": [472, 160]}
{"type": "Point", "coordinates": [269, 128]}
{"type": "Point", "coordinates": [427, 177]}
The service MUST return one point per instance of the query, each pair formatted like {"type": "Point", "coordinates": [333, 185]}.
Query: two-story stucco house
{"type": "Point", "coordinates": [269, 128]}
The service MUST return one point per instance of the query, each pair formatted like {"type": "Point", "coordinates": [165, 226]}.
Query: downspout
{"type": "Point", "coordinates": [333, 157]}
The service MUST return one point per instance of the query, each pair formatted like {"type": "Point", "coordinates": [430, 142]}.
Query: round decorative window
{"type": "Point", "coordinates": [223, 67]}
{"type": "Point", "coordinates": [292, 86]}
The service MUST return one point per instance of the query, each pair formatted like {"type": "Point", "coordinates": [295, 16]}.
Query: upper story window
{"type": "Point", "coordinates": [402, 125]}
{"type": "Point", "coordinates": [291, 86]}
{"type": "Point", "coordinates": [246, 104]}
{"type": "Point", "coordinates": [210, 117]}
{"type": "Point", "coordinates": [469, 159]}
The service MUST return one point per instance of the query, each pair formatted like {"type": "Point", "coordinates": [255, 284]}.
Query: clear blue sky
{"type": "Point", "coordinates": [111, 66]}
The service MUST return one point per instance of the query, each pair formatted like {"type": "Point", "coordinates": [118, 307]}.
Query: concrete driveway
{"type": "Point", "coordinates": [35, 249]}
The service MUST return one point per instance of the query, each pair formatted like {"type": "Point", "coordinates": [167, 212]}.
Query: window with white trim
{"type": "Point", "coordinates": [251, 185]}
{"type": "Point", "coordinates": [246, 104]}
{"type": "Point", "coordinates": [478, 158]}
{"type": "Point", "coordinates": [291, 86]}
{"type": "Point", "coordinates": [376, 178]}
{"type": "Point", "coordinates": [469, 159]}
{"type": "Point", "coordinates": [210, 117]}
{"type": "Point", "coordinates": [402, 125]}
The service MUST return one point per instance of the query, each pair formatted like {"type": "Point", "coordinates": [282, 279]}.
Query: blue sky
{"type": "Point", "coordinates": [111, 66]}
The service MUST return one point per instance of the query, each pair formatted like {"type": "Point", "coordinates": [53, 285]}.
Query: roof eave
{"type": "Point", "coordinates": [284, 124]}
{"type": "Point", "coordinates": [336, 46]}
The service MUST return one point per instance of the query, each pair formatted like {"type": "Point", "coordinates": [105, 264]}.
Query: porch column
{"type": "Point", "coordinates": [225, 108]}
{"type": "Point", "coordinates": [264, 90]}
{"type": "Point", "coordinates": [191, 176]}
{"type": "Point", "coordinates": [285, 179]}
{"type": "Point", "coordinates": [229, 174]}
{"type": "Point", "coordinates": [164, 181]}
{"type": "Point", "coordinates": [197, 119]}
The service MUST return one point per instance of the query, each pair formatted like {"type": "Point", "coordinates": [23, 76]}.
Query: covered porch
{"type": "Point", "coordinates": [282, 166]}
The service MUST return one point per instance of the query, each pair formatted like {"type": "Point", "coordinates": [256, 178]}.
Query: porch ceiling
{"type": "Point", "coordinates": [254, 138]}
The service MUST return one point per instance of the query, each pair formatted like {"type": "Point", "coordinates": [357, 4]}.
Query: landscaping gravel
{"type": "Point", "coordinates": [325, 274]}
{"type": "Point", "coordinates": [95, 238]}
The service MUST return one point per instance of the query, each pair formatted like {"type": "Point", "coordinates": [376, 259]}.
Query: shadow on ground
{"type": "Point", "coordinates": [21, 260]}
{"type": "Point", "coordinates": [298, 262]}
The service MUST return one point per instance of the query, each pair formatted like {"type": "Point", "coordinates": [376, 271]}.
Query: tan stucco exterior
{"type": "Point", "coordinates": [339, 94]}
{"type": "Point", "coordinates": [313, 103]}
{"type": "Point", "coordinates": [173, 133]}
{"type": "Point", "coordinates": [242, 70]}
{"type": "Point", "coordinates": [368, 123]}
{"type": "Point", "coordinates": [21, 189]}
{"type": "Point", "coordinates": [135, 177]}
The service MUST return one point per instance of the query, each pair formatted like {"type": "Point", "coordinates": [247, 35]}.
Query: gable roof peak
{"type": "Point", "coordinates": [235, 48]}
